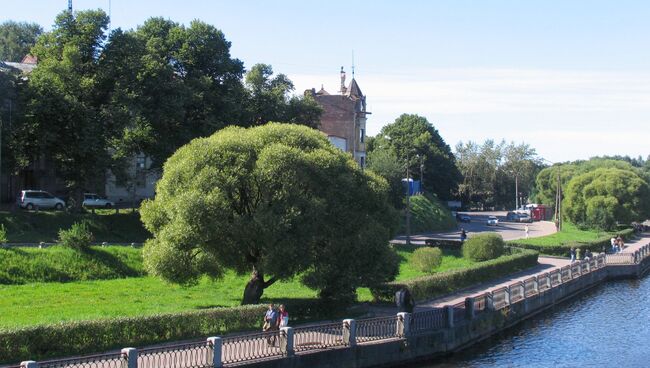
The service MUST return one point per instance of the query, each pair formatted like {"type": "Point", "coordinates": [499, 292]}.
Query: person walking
{"type": "Point", "coordinates": [573, 254]}
{"type": "Point", "coordinates": [270, 323]}
{"type": "Point", "coordinates": [526, 230]}
{"type": "Point", "coordinates": [283, 317]}
{"type": "Point", "coordinates": [463, 235]}
{"type": "Point", "coordinates": [613, 243]}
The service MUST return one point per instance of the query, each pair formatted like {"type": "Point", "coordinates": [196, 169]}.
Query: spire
{"type": "Point", "coordinates": [354, 90]}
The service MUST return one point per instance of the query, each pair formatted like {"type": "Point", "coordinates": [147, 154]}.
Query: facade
{"type": "Point", "coordinates": [344, 118]}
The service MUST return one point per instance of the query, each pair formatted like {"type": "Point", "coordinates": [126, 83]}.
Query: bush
{"type": "Point", "coordinates": [3, 234]}
{"type": "Point", "coordinates": [77, 237]}
{"type": "Point", "coordinates": [483, 247]}
{"type": "Point", "coordinates": [427, 287]}
{"type": "Point", "coordinates": [71, 338]}
{"type": "Point", "coordinates": [426, 259]}
{"type": "Point", "coordinates": [563, 250]}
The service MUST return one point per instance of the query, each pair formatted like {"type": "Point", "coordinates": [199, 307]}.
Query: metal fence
{"type": "Point", "coordinates": [190, 355]}
{"type": "Point", "coordinates": [620, 259]}
{"type": "Point", "coordinates": [376, 328]}
{"type": "Point", "coordinates": [428, 320]}
{"type": "Point", "coordinates": [565, 273]}
{"type": "Point", "coordinates": [530, 286]}
{"type": "Point", "coordinates": [575, 270]}
{"type": "Point", "coordinates": [500, 298]}
{"type": "Point", "coordinates": [251, 346]}
{"type": "Point", "coordinates": [544, 282]}
{"type": "Point", "coordinates": [318, 337]}
{"type": "Point", "coordinates": [556, 277]}
{"type": "Point", "coordinates": [480, 303]}
{"type": "Point", "coordinates": [113, 360]}
{"type": "Point", "coordinates": [516, 292]}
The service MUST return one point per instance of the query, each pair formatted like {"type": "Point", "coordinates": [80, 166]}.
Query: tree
{"type": "Point", "coordinates": [603, 196]}
{"type": "Point", "coordinates": [384, 162]}
{"type": "Point", "coordinates": [270, 99]}
{"type": "Point", "coordinates": [412, 135]}
{"type": "Point", "coordinates": [16, 39]}
{"type": "Point", "coordinates": [278, 200]}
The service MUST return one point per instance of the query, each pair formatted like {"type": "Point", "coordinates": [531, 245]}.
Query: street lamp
{"type": "Point", "coordinates": [408, 195]}
{"type": "Point", "coordinates": [558, 196]}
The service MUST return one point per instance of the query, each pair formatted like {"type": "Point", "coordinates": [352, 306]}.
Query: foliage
{"type": "Point", "coordinates": [3, 234]}
{"type": "Point", "coordinates": [483, 247]}
{"type": "Point", "coordinates": [412, 135]}
{"type": "Point", "coordinates": [428, 215]}
{"type": "Point", "coordinates": [277, 199]}
{"type": "Point", "coordinates": [44, 226]}
{"type": "Point", "coordinates": [73, 338]}
{"type": "Point", "coordinates": [559, 244]}
{"type": "Point", "coordinates": [427, 259]}
{"type": "Point", "coordinates": [603, 196]}
{"type": "Point", "coordinates": [16, 39]}
{"type": "Point", "coordinates": [78, 236]}
{"type": "Point", "coordinates": [427, 287]}
{"type": "Point", "coordinates": [489, 171]}
{"type": "Point", "coordinates": [63, 264]}
{"type": "Point", "coordinates": [384, 162]}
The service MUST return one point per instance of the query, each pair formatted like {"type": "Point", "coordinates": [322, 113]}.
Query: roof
{"type": "Point", "coordinates": [354, 90]}
{"type": "Point", "coordinates": [29, 59]}
{"type": "Point", "coordinates": [23, 67]}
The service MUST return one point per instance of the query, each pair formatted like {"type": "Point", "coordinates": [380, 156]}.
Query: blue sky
{"type": "Point", "coordinates": [572, 78]}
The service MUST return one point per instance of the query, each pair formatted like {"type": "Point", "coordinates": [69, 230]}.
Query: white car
{"type": "Point", "coordinates": [97, 201]}
{"type": "Point", "coordinates": [492, 221]}
{"type": "Point", "coordinates": [39, 199]}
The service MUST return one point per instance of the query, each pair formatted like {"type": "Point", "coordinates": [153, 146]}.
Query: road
{"type": "Point", "coordinates": [509, 230]}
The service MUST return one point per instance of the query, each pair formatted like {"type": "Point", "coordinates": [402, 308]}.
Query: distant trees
{"type": "Point", "coordinates": [491, 169]}
{"type": "Point", "coordinates": [16, 39]}
{"type": "Point", "coordinates": [276, 200]}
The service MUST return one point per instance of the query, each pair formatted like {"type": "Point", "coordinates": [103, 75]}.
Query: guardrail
{"type": "Point", "coordinates": [216, 351]}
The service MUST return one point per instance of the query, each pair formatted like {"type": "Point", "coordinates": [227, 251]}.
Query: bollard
{"type": "Point", "coordinates": [350, 332]}
{"type": "Point", "coordinates": [214, 351]}
{"type": "Point", "coordinates": [28, 364]}
{"type": "Point", "coordinates": [130, 358]}
{"type": "Point", "coordinates": [449, 312]}
{"type": "Point", "coordinates": [286, 341]}
{"type": "Point", "coordinates": [403, 324]}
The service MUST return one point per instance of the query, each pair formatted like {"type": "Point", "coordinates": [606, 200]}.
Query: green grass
{"type": "Point", "coordinates": [58, 263]}
{"type": "Point", "coordinates": [44, 226]}
{"type": "Point", "coordinates": [428, 214]}
{"type": "Point", "coordinates": [51, 302]}
{"type": "Point", "coordinates": [569, 234]}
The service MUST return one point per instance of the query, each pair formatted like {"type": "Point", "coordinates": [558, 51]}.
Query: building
{"type": "Point", "coordinates": [344, 117]}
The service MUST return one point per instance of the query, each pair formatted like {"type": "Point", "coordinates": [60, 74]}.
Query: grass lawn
{"type": "Point", "coordinates": [569, 234]}
{"type": "Point", "coordinates": [52, 302]}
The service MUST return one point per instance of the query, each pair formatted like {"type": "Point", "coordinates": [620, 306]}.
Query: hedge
{"type": "Point", "coordinates": [426, 287]}
{"type": "Point", "coordinates": [71, 338]}
{"type": "Point", "coordinates": [564, 249]}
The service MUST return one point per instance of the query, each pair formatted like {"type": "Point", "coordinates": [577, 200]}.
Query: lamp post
{"type": "Point", "coordinates": [408, 202]}
{"type": "Point", "coordinates": [558, 196]}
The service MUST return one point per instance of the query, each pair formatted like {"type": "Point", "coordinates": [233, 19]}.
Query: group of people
{"type": "Point", "coordinates": [576, 253]}
{"type": "Point", "coordinates": [617, 244]}
{"type": "Point", "coordinates": [274, 319]}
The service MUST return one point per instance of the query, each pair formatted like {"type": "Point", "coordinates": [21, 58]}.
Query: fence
{"type": "Point", "coordinates": [236, 349]}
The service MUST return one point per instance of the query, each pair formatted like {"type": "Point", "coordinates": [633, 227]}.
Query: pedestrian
{"type": "Point", "coordinates": [404, 300]}
{"type": "Point", "coordinates": [270, 323]}
{"type": "Point", "coordinates": [587, 255]}
{"type": "Point", "coordinates": [463, 235]}
{"type": "Point", "coordinates": [283, 317]}
{"type": "Point", "coordinates": [573, 254]}
{"type": "Point", "coordinates": [621, 243]}
{"type": "Point", "coordinates": [613, 243]}
{"type": "Point", "coordinates": [526, 230]}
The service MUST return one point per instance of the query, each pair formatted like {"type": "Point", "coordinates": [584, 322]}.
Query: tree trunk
{"type": "Point", "coordinates": [255, 287]}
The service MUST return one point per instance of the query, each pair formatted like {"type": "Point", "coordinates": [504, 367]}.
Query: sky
{"type": "Point", "coordinates": [570, 78]}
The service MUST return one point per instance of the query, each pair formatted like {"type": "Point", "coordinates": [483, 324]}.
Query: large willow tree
{"type": "Point", "coordinates": [277, 201]}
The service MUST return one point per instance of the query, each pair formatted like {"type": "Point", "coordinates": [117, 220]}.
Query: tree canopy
{"type": "Point", "coordinates": [16, 39]}
{"type": "Point", "coordinates": [416, 142]}
{"type": "Point", "coordinates": [278, 200]}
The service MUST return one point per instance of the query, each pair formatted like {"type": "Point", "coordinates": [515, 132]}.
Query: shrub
{"type": "Point", "coordinates": [77, 237]}
{"type": "Point", "coordinates": [70, 338]}
{"type": "Point", "coordinates": [3, 234]}
{"type": "Point", "coordinates": [564, 249]}
{"type": "Point", "coordinates": [427, 287]}
{"type": "Point", "coordinates": [483, 247]}
{"type": "Point", "coordinates": [426, 259]}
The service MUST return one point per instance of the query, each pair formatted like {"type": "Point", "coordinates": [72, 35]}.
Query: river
{"type": "Point", "coordinates": [608, 326]}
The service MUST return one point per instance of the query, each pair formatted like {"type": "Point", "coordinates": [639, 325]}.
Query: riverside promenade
{"type": "Point", "coordinates": [438, 326]}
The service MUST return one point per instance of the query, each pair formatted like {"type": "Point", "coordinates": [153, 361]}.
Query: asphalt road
{"type": "Point", "coordinates": [508, 230]}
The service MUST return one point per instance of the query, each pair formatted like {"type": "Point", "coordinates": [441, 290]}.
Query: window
{"type": "Point", "coordinates": [362, 135]}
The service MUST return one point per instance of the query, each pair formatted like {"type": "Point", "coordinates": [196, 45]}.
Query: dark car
{"type": "Point", "coordinates": [461, 217]}
{"type": "Point", "coordinates": [512, 216]}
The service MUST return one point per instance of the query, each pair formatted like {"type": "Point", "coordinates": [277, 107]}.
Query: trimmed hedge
{"type": "Point", "coordinates": [483, 247]}
{"type": "Point", "coordinates": [563, 250]}
{"type": "Point", "coordinates": [426, 259]}
{"type": "Point", "coordinates": [70, 338]}
{"type": "Point", "coordinates": [427, 287]}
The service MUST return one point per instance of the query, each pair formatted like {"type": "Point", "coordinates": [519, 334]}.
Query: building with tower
{"type": "Point", "coordinates": [344, 117]}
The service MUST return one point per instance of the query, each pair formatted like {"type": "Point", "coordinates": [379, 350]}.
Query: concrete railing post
{"type": "Point", "coordinates": [449, 313]}
{"type": "Point", "coordinates": [536, 284]}
{"type": "Point", "coordinates": [286, 341]}
{"type": "Point", "coordinates": [214, 351]}
{"type": "Point", "coordinates": [130, 358]}
{"type": "Point", "coordinates": [470, 313]}
{"type": "Point", "coordinates": [588, 266]}
{"type": "Point", "coordinates": [350, 332]}
{"type": "Point", "coordinates": [489, 301]}
{"type": "Point", "coordinates": [403, 324]}
{"type": "Point", "coordinates": [507, 295]}
{"type": "Point", "coordinates": [29, 364]}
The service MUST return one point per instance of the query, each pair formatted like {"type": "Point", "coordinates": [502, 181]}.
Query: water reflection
{"type": "Point", "coordinates": [608, 326]}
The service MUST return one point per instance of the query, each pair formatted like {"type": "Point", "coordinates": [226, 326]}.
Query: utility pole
{"type": "Point", "coordinates": [408, 202]}
{"type": "Point", "coordinates": [516, 192]}
{"type": "Point", "coordinates": [421, 173]}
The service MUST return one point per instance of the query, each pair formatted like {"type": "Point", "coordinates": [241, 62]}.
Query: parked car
{"type": "Point", "coordinates": [461, 217]}
{"type": "Point", "coordinates": [492, 221]}
{"type": "Point", "coordinates": [94, 200]}
{"type": "Point", "coordinates": [525, 218]}
{"type": "Point", "coordinates": [33, 199]}
{"type": "Point", "coordinates": [518, 217]}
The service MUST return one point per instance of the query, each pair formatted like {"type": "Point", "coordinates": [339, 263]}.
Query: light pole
{"type": "Point", "coordinates": [558, 196]}
{"type": "Point", "coordinates": [408, 202]}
